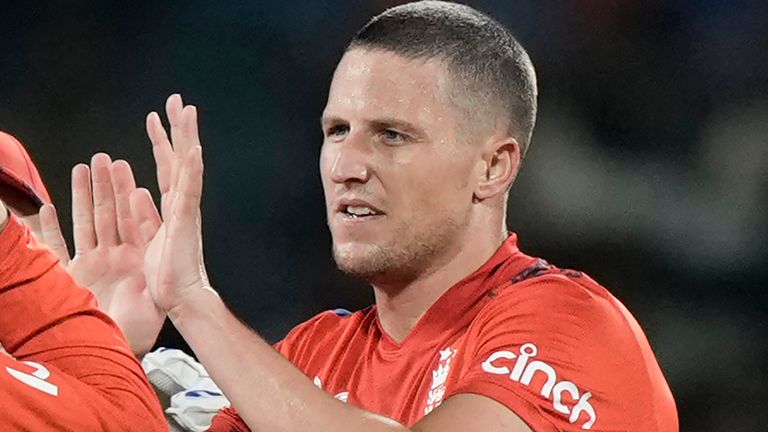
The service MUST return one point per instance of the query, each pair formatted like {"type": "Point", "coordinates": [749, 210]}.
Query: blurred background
{"type": "Point", "coordinates": [649, 167]}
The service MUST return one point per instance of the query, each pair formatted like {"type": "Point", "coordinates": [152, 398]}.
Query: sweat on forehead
{"type": "Point", "coordinates": [382, 84]}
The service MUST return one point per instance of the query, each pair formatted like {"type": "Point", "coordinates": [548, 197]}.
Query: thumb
{"type": "Point", "coordinates": [52, 237]}
{"type": "Point", "coordinates": [145, 213]}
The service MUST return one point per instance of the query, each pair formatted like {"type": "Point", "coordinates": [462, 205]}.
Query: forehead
{"type": "Point", "coordinates": [382, 83]}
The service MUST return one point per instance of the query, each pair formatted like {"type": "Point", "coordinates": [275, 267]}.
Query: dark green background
{"type": "Point", "coordinates": [648, 168]}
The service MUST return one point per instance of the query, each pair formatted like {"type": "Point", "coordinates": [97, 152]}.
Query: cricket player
{"type": "Point", "coordinates": [68, 366]}
{"type": "Point", "coordinates": [109, 262]}
{"type": "Point", "coordinates": [429, 114]}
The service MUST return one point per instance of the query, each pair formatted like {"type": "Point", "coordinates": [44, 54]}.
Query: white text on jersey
{"type": "Point", "coordinates": [523, 372]}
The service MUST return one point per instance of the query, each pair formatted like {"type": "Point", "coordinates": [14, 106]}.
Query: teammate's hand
{"type": "Point", "coordinates": [109, 253]}
{"type": "Point", "coordinates": [174, 260]}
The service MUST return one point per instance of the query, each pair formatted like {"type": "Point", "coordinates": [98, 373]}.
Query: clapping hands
{"type": "Point", "coordinates": [139, 263]}
{"type": "Point", "coordinates": [109, 251]}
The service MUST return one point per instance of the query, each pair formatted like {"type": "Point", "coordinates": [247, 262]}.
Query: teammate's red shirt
{"type": "Point", "coordinates": [73, 370]}
{"type": "Point", "coordinates": [552, 345]}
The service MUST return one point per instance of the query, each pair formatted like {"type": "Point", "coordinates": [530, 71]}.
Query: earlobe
{"type": "Point", "coordinates": [500, 166]}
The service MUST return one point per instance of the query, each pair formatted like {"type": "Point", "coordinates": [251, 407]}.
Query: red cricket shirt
{"type": "Point", "coordinates": [73, 369]}
{"type": "Point", "coordinates": [552, 345]}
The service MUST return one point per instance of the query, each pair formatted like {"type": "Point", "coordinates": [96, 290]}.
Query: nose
{"type": "Point", "coordinates": [350, 161]}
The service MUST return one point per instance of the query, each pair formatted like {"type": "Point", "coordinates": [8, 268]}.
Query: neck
{"type": "Point", "coordinates": [400, 307]}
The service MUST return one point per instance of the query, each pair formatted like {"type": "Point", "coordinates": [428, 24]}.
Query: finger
{"type": "Point", "coordinates": [104, 211]}
{"type": "Point", "coordinates": [123, 184]}
{"type": "Point", "coordinates": [166, 199]}
{"type": "Point", "coordinates": [174, 107]}
{"type": "Point", "coordinates": [186, 139]}
{"type": "Point", "coordinates": [145, 213]}
{"type": "Point", "coordinates": [165, 160]}
{"type": "Point", "coordinates": [162, 151]}
{"type": "Point", "coordinates": [190, 187]}
{"type": "Point", "coordinates": [185, 224]}
{"type": "Point", "coordinates": [82, 210]}
{"type": "Point", "coordinates": [49, 225]}
{"type": "Point", "coordinates": [191, 134]}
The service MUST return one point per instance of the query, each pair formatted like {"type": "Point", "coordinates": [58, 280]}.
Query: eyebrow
{"type": "Point", "coordinates": [405, 126]}
{"type": "Point", "coordinates": [326, 120]}
{"type": "Point", "coordinates": [379, 123]}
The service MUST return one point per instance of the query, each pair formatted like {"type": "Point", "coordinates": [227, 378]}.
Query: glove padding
{"type": "Point", "coordinates": [190, 397]}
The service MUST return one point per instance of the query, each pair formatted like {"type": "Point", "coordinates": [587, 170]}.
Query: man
{"type": "Point", "coordinates": [429, 115]}
{"type": "Point", "coordinates": [69, 367]}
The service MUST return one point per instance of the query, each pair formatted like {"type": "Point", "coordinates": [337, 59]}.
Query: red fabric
{"type": "Point", "coordinates": [585, 353]}
{"type": "Point", "coordinates": [228, 420]}
{"type": "Point", "coordinates": [18, 170]}
{"type": "Point", "coordinates": [82, 375]}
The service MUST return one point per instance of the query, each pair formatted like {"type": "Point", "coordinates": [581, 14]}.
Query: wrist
{"type": "Point", "coordinates": [194, 304]}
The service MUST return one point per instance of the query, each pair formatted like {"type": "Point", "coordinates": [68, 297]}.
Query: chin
{"type": "Point", "coordinates": [375, 264]}
{"type": "Point", "coordinates": [359, 259]}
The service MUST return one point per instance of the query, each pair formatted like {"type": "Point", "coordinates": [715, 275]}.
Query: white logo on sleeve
{"type": "Point", "coordinates": [523, 372]}
{"type": "Point", "coordinates": [36, 379]}
{"type": "Point", "coordinates": [342, 396]}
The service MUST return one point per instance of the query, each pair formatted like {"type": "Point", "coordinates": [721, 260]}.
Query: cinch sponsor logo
{"type": "Point", "coordinates": [523, 371]}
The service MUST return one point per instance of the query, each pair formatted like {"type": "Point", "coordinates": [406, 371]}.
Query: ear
{"type": "Point", "coordinates": [498, 168]}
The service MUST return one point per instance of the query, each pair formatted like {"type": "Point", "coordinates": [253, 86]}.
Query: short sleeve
{"type": "Point", "coordinates": [228, 420]}
{"type": "Point", "coordinates": [558, 353]}
{"type": "Point", "coordinates": [293, 348]}
{"type": "Point", "coordinates": [302, 338]}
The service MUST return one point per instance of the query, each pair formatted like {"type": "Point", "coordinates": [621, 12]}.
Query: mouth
{"type": "Point", "coordinates": [358, 210]}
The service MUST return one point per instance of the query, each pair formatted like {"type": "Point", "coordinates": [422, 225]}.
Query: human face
{"type": "Point", "coordinates": [396, 168]}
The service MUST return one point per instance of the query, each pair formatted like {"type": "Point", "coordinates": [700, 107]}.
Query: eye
{"type": "Point", "coordinates": [337, 131]}
{"type": "Point", "coordinates": [393, 136]}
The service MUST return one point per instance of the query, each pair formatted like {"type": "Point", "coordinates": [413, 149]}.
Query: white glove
{"type": "Point", "coordinates": [184, 387]}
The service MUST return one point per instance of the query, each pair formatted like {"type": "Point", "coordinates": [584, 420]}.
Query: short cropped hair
{"type": "Point", "coordinates": [488, 65]}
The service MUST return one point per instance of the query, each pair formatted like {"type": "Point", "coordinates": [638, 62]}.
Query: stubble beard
{"type": "Point", "coordinates": [405, 257]}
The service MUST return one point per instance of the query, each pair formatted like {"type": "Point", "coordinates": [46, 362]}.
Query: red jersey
{"type": "Point", "coordinates": [73, 369]}
{"type": "Point", "coordinates": [552, 345]}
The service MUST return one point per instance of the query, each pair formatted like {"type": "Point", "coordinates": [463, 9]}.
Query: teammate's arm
{"type": "Point", "coordinates": [71, 368]}
{"type": "Point", "coordinates": [268, 391]}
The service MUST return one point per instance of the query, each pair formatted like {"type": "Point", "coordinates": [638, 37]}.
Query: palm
{"type": "Point", "coordinates": [167, 266]}
{"type": "Point", "coordinates": [115, 276]}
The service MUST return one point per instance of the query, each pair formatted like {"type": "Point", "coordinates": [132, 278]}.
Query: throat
{"type": "Point", "coordinates": [402, 300]}
{"type": "Point", "coordinates": [399, 315]}
{"type": "Point", "coordinates": [401, 307]}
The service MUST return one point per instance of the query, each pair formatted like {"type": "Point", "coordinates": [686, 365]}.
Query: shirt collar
{"type": "Point", "coordinates": [459, 305]}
